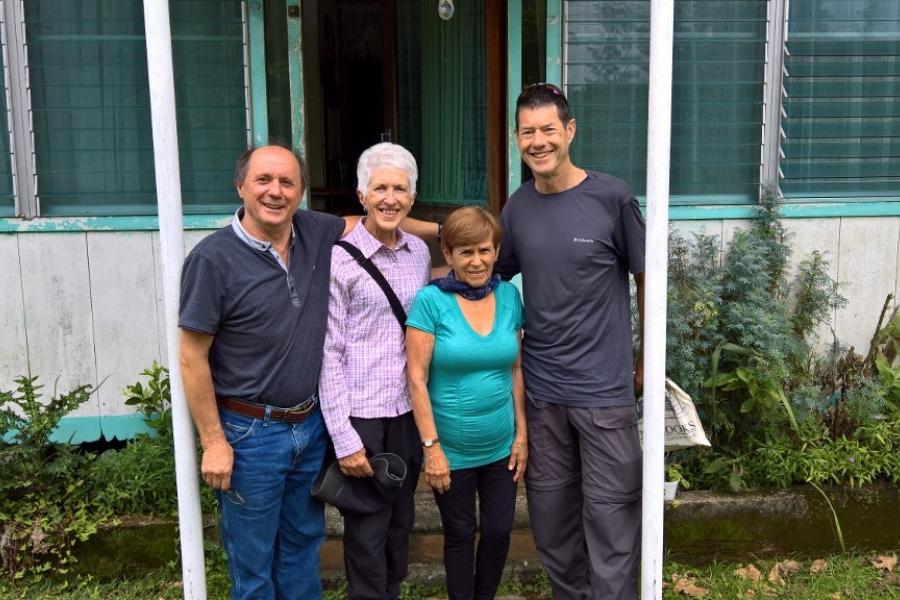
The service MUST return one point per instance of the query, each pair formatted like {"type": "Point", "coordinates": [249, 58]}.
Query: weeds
{"type": "Point", "coordinates": [43, 508]}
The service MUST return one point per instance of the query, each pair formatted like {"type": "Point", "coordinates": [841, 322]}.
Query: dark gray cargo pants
{"type": "Point", "coordinates": [584, 498]}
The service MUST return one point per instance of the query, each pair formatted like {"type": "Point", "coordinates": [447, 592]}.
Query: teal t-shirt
{"type": "Point", "coordinates": [470, 377]}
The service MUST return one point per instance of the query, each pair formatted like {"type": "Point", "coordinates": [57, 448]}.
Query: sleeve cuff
{"type": "Point", "coordinates": [346, 442]}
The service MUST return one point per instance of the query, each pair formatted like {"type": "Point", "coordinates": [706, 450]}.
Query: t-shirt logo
{"type": "Point", "coordinates": [580, 240]}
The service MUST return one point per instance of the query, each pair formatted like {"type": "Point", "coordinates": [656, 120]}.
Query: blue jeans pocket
{"type": "Point", "coordinates": [237, 428]}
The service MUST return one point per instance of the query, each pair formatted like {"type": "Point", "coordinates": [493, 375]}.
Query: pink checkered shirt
{"type": "Point", "coordinates": [364, 365]}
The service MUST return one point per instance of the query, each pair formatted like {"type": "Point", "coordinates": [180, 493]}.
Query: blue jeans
{"type": "Point", "coordinates": [271, 527]}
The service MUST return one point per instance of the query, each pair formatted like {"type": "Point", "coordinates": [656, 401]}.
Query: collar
{"type": "Point", "coordinates": [368, 245]}
{"type": "Point", "coordinates": [248, 239]}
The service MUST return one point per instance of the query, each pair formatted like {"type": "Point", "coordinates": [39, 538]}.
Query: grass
{"type": "Point", "coordinates": [844, 576]}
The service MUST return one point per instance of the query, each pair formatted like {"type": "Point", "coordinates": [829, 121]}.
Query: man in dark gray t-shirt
{"type": "Point", "coordinates": [254, 298]}
{"type": "Point", "coordinates": [575, 236]}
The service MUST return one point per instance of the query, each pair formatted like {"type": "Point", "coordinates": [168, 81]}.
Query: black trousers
{"type": "Point", "coordinates": [475, 575]}
{"type": "Point", "coordinates": [376, 546]}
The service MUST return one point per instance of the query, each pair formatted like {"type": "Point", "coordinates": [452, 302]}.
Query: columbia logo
{"type": "Point", "coordinates": [583, 240]}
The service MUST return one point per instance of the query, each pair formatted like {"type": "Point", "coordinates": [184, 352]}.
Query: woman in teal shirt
{"type": "Point", "coordinates": [468, 400]}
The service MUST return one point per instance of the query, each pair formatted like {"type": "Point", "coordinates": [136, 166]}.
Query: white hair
{"type": "Point", "coordinates": [385, 154]}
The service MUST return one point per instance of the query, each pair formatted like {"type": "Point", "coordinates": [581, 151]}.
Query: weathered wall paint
{"type": "Point", "coordinates": [86, 306]}
{"type": "Point", "coordinates": [13, 345]}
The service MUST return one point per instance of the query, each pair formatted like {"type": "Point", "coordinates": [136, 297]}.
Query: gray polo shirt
{"type": "Point", "coordinates": [574, 251]}
{"type": "Point", "coordinates": [268, 321]}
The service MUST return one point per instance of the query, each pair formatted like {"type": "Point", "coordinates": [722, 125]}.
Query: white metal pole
{"type": "Point", "coordinates": [659, 132]}
{"type": "Point", "coordinates": [168, 194]}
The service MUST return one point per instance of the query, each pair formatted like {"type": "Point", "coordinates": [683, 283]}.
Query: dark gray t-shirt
{"type": "Point", "coordinates": [269, 329]}
{"type": "Point", "coordinates": [575, 250]}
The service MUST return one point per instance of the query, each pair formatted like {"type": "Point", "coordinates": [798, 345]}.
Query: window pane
{"type": "Point", "coordinates": [842, 123]}
{"type": "Point", "coordinates": [717, 92]}
{"type": "Point", "coordinates": [91, 103]}
{"type": "Point", "coordinates": [7, 198]}
{"type": "Point", "coordinates": [208, 52]}
{"type": "Point", "coordinates": [90, 106]}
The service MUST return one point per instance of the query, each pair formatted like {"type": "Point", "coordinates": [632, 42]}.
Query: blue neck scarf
{"type": "Point", "coordinates": [451, 284]}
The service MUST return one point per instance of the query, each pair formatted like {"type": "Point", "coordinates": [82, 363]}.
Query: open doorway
{"type": "Point", "coordinates": [348, 92]}
{"type": "Point", "coordinates": [392, 70]}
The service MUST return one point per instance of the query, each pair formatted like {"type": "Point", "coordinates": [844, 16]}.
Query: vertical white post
{"type": "Point", "coordinates": [659, 132]}
{"type": "Point", "coordinates": [168, 194]}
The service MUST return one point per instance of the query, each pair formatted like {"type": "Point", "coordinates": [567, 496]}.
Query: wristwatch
{"type": "Point", "coordinates": [430, 443]}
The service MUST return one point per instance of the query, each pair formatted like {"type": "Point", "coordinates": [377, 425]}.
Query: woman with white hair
{"type": "Point", "coordinates": [362, 386]}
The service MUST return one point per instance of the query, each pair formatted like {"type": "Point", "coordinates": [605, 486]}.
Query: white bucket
{"type": "Point", "coordinates": [670, 488]}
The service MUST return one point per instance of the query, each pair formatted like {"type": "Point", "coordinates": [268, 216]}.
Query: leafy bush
{"type": "Point", "coordinates": [43, 508]}
{"type": "Point", "coordinates": [740, 341]}
{"type": "Point", "coordinates": [140, 478]}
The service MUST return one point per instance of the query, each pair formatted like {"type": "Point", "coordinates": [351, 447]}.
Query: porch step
{"type": "Point", "coordinates": [426, 541]}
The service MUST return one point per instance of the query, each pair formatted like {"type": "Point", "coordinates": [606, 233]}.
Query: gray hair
{"type": "Point", "coordinates": [385, 154]}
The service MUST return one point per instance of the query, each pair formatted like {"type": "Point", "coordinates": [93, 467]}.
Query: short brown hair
{"type": "Point", "coordinates": [469, 225]}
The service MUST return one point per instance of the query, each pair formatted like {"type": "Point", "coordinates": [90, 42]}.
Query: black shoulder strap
{"type": "Point", "coordinates": [372, 270]}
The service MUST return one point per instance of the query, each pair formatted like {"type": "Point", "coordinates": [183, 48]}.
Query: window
{"type": "Point", "coordinates": [717, 96]}
{"type": "Point", "coordinates": [842, 111]}
{"type": "Point", "coordinates": [7, 196]}
{"type": "Point", "coordinates": [87, 66]}
{"type": "Point", "coordinates": [210, 93]}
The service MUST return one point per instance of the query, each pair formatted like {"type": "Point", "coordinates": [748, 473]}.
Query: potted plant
{"type": "Point", "coordinates": [674, 478]}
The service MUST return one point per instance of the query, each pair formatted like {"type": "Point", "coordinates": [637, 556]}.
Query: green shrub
{"type": "Point", "coordinates": [741, 340]}
{"type": "Point", "coordinates": [43, 508]}
{"type": "Point", "coordinates": [140, 478]}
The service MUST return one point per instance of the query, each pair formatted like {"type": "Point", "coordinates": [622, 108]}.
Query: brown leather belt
{"type": "Point", "coordinates": [258, 411]}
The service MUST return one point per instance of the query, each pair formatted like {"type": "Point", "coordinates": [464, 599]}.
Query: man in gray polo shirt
{"type": "Point", "coordinates": [575, 235]}
{"type": "Point", "coordinates": [254, 303]}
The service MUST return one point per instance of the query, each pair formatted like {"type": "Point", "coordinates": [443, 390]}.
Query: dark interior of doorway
{"type": "Point", "coordinates": [349, 57]}
{"type": "Point", "coordinates": [354, 80]}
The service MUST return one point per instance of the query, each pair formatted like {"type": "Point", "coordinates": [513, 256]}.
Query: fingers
{"type": "Point", "coordinates": [520, 469]}
{"type": "Point", "coordinates": [356, 465]}
{"type": "Point", "coordinates": [216, 465]}
{"type": "Point", "coordinates": [518, 462]}
{"type": "Point", "coordinates": [363, 470]}
{"type": "Point", "coordinates": [518, 458]}
{"type": "Point", "coordinates": [437, 469]}
{"type": "Point", "coordinates": [439, 483]}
